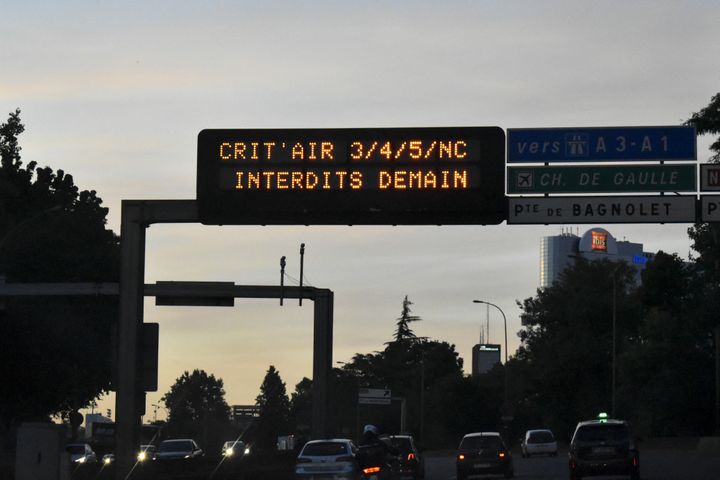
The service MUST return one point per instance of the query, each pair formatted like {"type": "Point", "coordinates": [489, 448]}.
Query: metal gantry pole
{"type": "Point", "coordinates": [614, 341]}
{"type": "Point", "coordinates": [129, 392]}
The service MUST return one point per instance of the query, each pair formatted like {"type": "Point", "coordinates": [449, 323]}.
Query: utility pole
{"type": "Point", "coordinates": [614, 339]}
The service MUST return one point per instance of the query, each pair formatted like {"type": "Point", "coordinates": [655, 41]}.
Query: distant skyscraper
{"type": "Point", "coordinates": [559, 251]}
{"type": "Point", "coordinates": [484, 357]}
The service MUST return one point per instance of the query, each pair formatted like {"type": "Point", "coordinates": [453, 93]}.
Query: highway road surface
{"type": "Point", "coordinates": [655, 464]}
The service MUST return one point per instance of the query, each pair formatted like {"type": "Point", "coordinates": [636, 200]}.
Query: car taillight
{"type": "Point", "coordinates": [461, 457]}
{"type": "Point", "coordinates": [635, 462]}
{"type": "Point", "coordinates": [304, 460]}
{"type": "Point", "coordinates": [501, 454]}
{"type": "Point", "coordinates": [369, 470]}
{"type": "Point", "coordinates": [411, 456]}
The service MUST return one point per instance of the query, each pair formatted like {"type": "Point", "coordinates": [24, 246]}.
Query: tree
{"type": "Point", "coordinates": [54, 352]}
{"type": "Point", "coordinates": [274, 415]}
{"type": "Point", "coordinates": [567, 343]}
{"type": "Point", "coordinates": [707, 121]}
{"type": "Point", "coordinates": [403, 332]}
{"type": "Point", "coordinates": [197, 408]}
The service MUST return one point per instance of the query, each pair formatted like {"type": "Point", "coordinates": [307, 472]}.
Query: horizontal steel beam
{"type": "Point", "coordinates": [169, 289]}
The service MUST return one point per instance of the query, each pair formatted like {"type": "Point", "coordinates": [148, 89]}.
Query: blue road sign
{"type": "Point", "coordinates": [601, 144]}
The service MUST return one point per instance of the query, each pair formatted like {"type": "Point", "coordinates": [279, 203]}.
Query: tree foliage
{"type": "Point", "coordinates": [707, 121]}
{"type": "Point", "coordinates": [404, 332]}
{"type": "Point", "coordinates": [50, 231]}
{"type": "Point", "coordinates": [197, 408]}
{"type": "Point", "coordinates": [567, 343]}
{"type": "Point", "coordinates": [274, 416]}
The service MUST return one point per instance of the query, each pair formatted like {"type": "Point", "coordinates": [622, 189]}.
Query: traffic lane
{"type": "Point", "coordinates": [535, 468]}
{"type": "Point", "coordinates": [655, 464]}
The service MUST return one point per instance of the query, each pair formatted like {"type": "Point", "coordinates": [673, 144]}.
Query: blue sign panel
{"type": "Point", "coordinates": [601, 144]}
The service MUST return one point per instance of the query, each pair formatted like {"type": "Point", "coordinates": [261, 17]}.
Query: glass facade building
{"type": "Point", "coordinates": [559, 251]}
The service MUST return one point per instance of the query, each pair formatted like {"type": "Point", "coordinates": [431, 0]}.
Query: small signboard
{"type": "Point", "coordinates": [601, 144]}
{"type": "Point", "coordinates": [374, 396]}
{"type": "Point", "coordinates": [374, 393]}
{"type": "Point", "coordinates": [619, 209]}
{"type": "Point", "coordinates": [602, 179]}
{"type": "Point", "coordinates": [710, 177]}
{"type": "Point", "coordinates": [710, 208]}
{"type": "Point", "coordinates": [374, 401]}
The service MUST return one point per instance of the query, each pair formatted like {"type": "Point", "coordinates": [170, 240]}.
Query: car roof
{"type": "Point", "coordinates": [601, 422]}
{"type": "Point", "coordinates": [178, 440]}
{"type": "Point", "coordinates": [339, 440]}
{"type": "Point", "coordinates": [401, 436]}
{"type": "Point", "coordinates": [482, 434]}
{"type": "Point", "coordinates": [539, 430]}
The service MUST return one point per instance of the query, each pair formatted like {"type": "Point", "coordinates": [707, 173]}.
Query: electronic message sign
{"type": "Point", "coordinates": [411, 176]}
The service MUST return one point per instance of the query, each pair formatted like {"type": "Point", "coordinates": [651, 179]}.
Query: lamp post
{"type": "Point", "coordinates": [506, 345]}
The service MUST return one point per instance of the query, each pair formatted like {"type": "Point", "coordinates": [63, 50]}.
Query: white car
{"type": "Point", "coordinates": [539, 442]}
{"type": "Point", "coordinates": [332, 459]}
{"type": "Point", "coordinates": [81, 453]}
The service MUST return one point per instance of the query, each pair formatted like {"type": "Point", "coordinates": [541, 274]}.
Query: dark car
{"type": "Point", "coordinates": [483, 453]}
{"type": "Point", "coordinates": [178, 449]}
{"type": "Point", "coordinates": [603, 447]}
{"type": "Point", "coordinates": [412, 463]}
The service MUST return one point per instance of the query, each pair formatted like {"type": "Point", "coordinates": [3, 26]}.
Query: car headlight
{"type": "Point", "coordinates": [229, 452]}
{"type": "Point", "coordinates": [187, 456]}
{"type": "Point", "coordinates": [247, 451]}
{"type": "Point", "coordinates": [107, 461]}
{"type": "Point", "coordinates": [82, 459]}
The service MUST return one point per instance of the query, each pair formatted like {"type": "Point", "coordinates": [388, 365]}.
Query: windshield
{"type": "Point", "coordinates": [478, 443]}
{"type": "Point", "coordinates": [75, 449]}
{"type": "Point", "coordinates": [541, 437]}
{"type": "Point", "coordinates": [403, 444]}
{"type": "Point", "coordinates": [602, 433]}
{"type": "Point", "coordinates": [324, 449]}
{"type": "Point", "coordinates": [184, 446]}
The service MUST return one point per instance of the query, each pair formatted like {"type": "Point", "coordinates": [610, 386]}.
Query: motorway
{"type": "Point", "coordinates": [655, 464]}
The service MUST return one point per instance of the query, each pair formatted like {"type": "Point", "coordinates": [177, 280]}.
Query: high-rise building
{"type": "Point", "coordinates": [484, 357]}
{"type": "Point", "coordinates": [559, 251]}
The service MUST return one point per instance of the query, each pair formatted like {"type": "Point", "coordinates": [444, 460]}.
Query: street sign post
{"type": "Point", "coordinates": [601, 144]}
{"type": "Point", "coordinates": [602, 179]}
{"type": "Point", "coordinates": [710, 177]}
{"type": "Point", "coordinates": [619, 209]}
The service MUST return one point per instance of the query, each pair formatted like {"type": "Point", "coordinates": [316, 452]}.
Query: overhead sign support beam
{"type": "Point", "coordinates": [137, 215]}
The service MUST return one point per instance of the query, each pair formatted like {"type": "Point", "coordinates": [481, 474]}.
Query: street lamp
{"type": "Point", "coordinates": [506, 345]}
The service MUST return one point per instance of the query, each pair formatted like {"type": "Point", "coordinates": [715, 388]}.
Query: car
{"type": "Point", "coordinates": [538, 442]}
{"type": "Point", "coordinates": [178, 449]}
{"type": "Point", "coordinates": [603, 447]}
{"type": "Point", "coordinates": [147, 452]}
{"type": "Point", "coordinates": [235, 449]}
{"type": "Point", "coordinates": [108, 458]}
{"type": "Point", "coordinates": [81, 453]}
{"type": "Point", "coordinates": [483, 453]}
{"type": "Point", "coordinates": [412, 462]}
{"type": "Point", "coordinates": [333, 458]}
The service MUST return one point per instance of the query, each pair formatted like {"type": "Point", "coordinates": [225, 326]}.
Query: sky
{"type": "Point", "coordinates": [116, 93]}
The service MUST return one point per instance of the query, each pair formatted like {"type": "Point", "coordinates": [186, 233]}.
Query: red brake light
{"type": "Point", "coordinates": [371, 470]}
{"type": "Point", "coordinates": [501, 454]}
{"type": "Point", "coordinates": [411, 456]}
{"type": "Point", "coordinates": [461, 457]}
{"type": "Point", "coordinates": [635, 462]}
